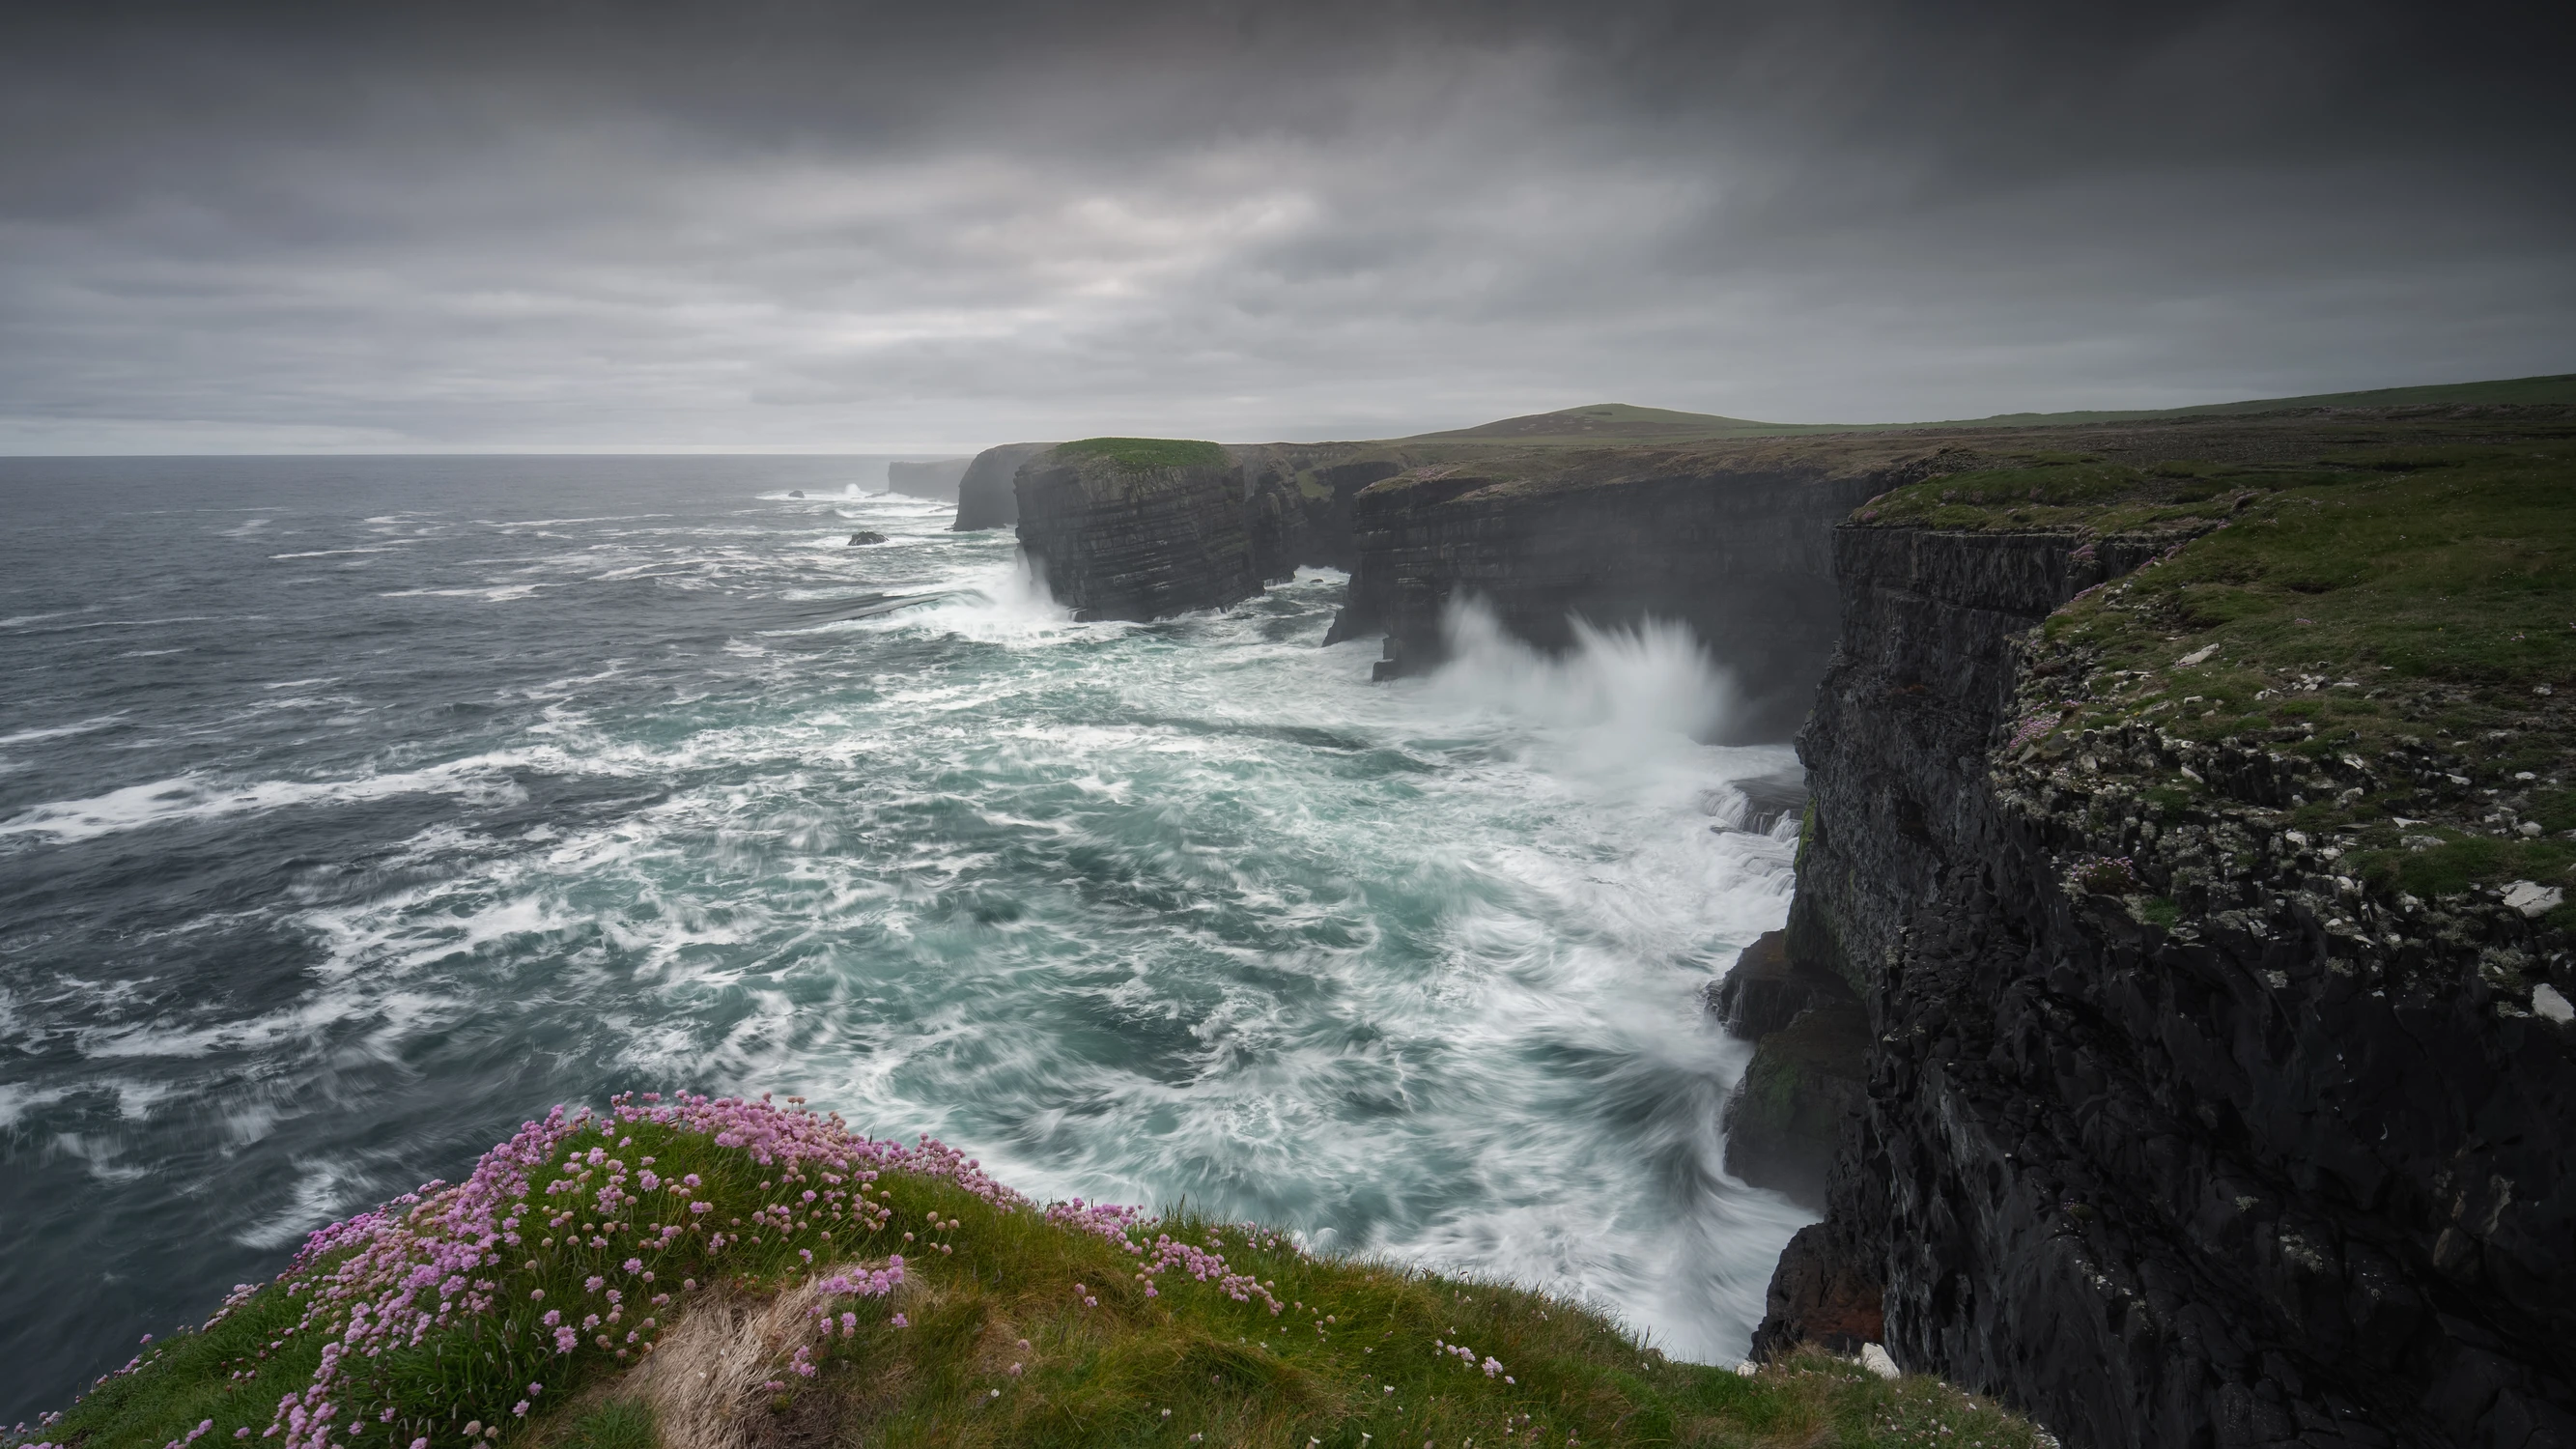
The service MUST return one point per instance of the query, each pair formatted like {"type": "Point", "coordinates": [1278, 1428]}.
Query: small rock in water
{"type": "Point", "coordinates": [1874, 1358]}
{"type": "Point", "coordinates": [864, 537]}
{"type": "Point", "coordinates": [795, 492]}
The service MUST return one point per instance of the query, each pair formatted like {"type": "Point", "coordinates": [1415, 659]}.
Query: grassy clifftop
{"type": "Point", "coordinates": [1140, 454]}
{"type": "Point", "coordinates": [2394, 617]}
{"type": "Point", "coordinates": [701, 1273]}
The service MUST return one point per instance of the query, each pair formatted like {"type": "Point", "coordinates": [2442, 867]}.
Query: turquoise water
{"type": "Point", "coordinates": [350, 817]}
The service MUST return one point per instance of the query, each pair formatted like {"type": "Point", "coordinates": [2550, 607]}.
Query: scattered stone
{"type": "Point", "coordinates": [2187, 661]}
{"type": "Point", "coordinates": [2530, 829]}
{"type": "Point", "coordinates": [2548, 1004]}
{"type": "Point", "coordinates": [2532, 898]}
{"type": "Point", "coordinates": [864, 536]}
{"type": "Point", "coordinates": [1874, 1358]}
{"type": "Point", "coordinates": [2419, 842]}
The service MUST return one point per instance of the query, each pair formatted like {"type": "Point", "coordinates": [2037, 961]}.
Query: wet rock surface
{"type": "Point", "coordinates": [2172, 1134]}
{"type": "Point", "coordinates": [1767, 988]}
{"type": "Point", "coordinates": [1785, 1119]}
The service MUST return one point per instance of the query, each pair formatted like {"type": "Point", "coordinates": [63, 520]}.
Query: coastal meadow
{"type": "Point", "coordinates": [718, 1273]}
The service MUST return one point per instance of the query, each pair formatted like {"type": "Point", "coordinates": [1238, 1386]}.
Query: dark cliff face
{"type": "Point", "coordinates": [1300, 501]}
{"type": "Point", "coordinates": [937, 479]}
{"type": "Point", "coordinates": [985, 498]}
{"type": "Point", "coordinates": [2291, 1170]}
{"type": "Point", "coordinates": [1736, 550]}
{"type": "Point", "coordinates": [1116, 541]}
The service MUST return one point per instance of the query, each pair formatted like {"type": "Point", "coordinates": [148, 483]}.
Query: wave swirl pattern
{"type": "Point", "coordinates": [350, 813]}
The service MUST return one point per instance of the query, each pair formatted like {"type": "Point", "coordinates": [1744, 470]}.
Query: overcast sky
{"type": "Point", "coordinates": [838, 226]}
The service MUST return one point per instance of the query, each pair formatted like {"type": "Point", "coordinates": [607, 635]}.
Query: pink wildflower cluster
{"type": "Point", "coordinates": [2105, 875]}
{"type": "Point", "coordinates": [1125, 1225]}
{"type": "Point", "coordinates": [1168, 1253]}
{"type": "Point", "coordinates": [566, 1200]}
{"type": "Point", "coordinates": [2030, 729]}
{"type": "Point", "coordinates": [1493, 1367]}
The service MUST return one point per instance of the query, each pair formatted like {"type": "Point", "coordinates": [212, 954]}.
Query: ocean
{"type": "Point", "coordinates": [354, 810]}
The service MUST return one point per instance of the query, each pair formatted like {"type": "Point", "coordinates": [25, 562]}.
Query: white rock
{"type": "Point", "coordinates": [2196, 656]}
{"type": "Point", "coordinates": [2530, 829]}
{"type": "Point", "coordinates": [1745, 1370]}
{"type": "Point", "coordinates": [2546, 1002]}
{"type": "Point", "coordinates": [1875, 1359]}
{"type": "Point", "coordinates": [2532, 898]}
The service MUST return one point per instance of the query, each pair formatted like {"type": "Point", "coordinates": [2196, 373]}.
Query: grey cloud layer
{"type": "Point", "coordinates": [829, 226]}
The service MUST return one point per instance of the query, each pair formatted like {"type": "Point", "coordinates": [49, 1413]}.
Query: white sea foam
{"type": "Point", "coordinates": [57, 732]}
{"type": "Point", "coordinates": [491, 593]}
{"type": "Point", "coordinates": [199, 797]}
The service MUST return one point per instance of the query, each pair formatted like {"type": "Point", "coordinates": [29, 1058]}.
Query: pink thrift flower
{"type": "Point", "coordinates": [634, 1265]}
{"type": "Point", "coordinates": [899, 1321]}
{"type": "Point", "coordinates": [520, 1408]}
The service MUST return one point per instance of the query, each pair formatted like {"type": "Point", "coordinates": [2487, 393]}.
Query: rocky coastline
{"type": "Point", "coordinates": [2143, 1078]}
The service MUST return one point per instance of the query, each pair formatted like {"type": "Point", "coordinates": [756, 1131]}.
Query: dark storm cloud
{"type": "Point", "coordinates": [826, 225]}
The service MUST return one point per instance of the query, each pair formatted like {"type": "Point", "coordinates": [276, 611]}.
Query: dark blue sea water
{"type": "Point", "coordinates": [353, 810]}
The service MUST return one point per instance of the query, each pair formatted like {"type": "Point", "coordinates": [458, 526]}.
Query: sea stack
{"type": "Point", "coordinates": [1137, 528]}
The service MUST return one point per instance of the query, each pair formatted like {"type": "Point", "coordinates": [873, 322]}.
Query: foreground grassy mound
{"type": "Point", "coordinates": [700, 1273]}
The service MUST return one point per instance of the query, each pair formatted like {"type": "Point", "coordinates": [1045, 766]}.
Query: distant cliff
{"type": "Point", "coordinates": [1729, 539]}
{"type": "Point", "coordinates": [984, 492]}
{"type": "Point", "coordinates": [1145, 528]}
{"type": "Point", "coordinates": [937, 479]}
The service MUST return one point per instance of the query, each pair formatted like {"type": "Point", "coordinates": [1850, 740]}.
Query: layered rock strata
{"type": "Point", "coordinates": [2288, 1164]}
{"type": "Point", "coordinates": [986, 497]}
{"type": "Point", "coordinates": [1730, 542]}
{"type": "Point", "coordinates": [1115, 540]}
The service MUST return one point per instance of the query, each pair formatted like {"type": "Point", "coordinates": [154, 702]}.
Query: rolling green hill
{"type": "Point", "coordinates": [1599, 423]}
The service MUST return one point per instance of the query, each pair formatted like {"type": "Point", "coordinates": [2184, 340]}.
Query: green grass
{"type": "Point", "coordinates": [2353, 604]}
{"type": "Point", "coordinates": [1144, 453]}
{"type": "Point", "coordinates": [1598, 423]}
{"type": "Point", "coordinates": [1015, 1329]}
{"type": "Point", "coordinates": [616, 1423]}
{"type": "Point", "coordinates": [2079, 493]}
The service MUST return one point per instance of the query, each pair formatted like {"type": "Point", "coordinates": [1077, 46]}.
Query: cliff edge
{"type": "Point", "coordinates": [2192, 821]}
